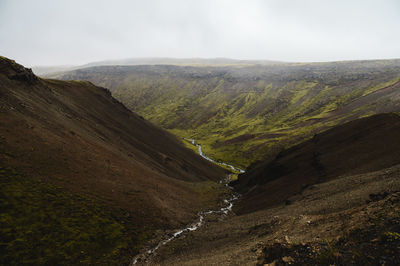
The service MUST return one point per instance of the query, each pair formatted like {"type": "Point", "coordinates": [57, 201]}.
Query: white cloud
{"type": "Point", "coordinates": [76, 32]}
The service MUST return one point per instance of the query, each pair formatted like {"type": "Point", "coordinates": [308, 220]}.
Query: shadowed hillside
{"type": "Point", "coordinates": [241, 113]}
{"type": "Point", "coordinates": [85, 180]}
{"type": "Point", "coordinates": [361, 146]}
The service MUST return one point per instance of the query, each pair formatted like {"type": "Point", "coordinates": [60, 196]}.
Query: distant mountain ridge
{"type": "Point", "coordinates": [45, 70]}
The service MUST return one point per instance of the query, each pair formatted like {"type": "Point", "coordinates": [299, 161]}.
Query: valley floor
{"type": "Point", "coordinates": [349, 220]}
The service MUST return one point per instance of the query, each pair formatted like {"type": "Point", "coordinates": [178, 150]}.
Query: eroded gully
{"type": "Point", "coordinates": [144, 257]}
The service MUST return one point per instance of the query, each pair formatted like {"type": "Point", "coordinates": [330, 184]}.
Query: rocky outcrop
{"type": "Point", "coordinates": [15, 71]}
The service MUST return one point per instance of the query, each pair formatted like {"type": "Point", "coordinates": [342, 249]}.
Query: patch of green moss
{"type": "Point", "coordinates": [41, 224]}
{"type": "Point", "coordinates": [380, 86]}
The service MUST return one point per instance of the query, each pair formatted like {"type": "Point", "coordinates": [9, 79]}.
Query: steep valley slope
{"type": "Point", "coordinates": [360, 146]}
{"type": "Point", "coordinates": [331, 200]}
{"type": "Point", "coordinates": [245, 113]}
{"type": "Point", "coordinates": [83, 180]}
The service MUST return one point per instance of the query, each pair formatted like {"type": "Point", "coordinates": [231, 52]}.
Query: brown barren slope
{"type": "Point", "coordinates": [76, 136]}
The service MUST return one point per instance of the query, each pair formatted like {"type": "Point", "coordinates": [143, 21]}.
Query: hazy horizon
{"type": "Point", "coordinates": [204, 58]}
{"type": "Point", "coordinates": [48, 33]}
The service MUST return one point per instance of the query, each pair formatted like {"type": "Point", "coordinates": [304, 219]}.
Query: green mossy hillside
{"type": "Point", "coordinates": [41, 224]}
{"type": "Point", "coordinates": [248, 113]}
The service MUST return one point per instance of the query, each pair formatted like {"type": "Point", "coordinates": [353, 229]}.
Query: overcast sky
{"type": "Point", "coordinates": [75, 32]}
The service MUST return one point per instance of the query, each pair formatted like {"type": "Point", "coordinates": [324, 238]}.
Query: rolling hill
{"type": "Point", "coordinates": [244, 113]}
{"type": "Point", "coordinates": [83, 180]}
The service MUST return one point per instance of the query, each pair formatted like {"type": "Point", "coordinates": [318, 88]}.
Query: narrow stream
{"type": "Point", "coordinates": [193, 142]}
{"type": "Point", "coordinates": [143, 257]}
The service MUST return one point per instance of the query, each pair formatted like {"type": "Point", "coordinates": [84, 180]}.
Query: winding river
{"type": "Point", "coordinates": [143, 257]}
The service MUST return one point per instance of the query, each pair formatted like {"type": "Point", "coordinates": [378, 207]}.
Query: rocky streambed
{"type": "Point", "coordinates": [228, 204]}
